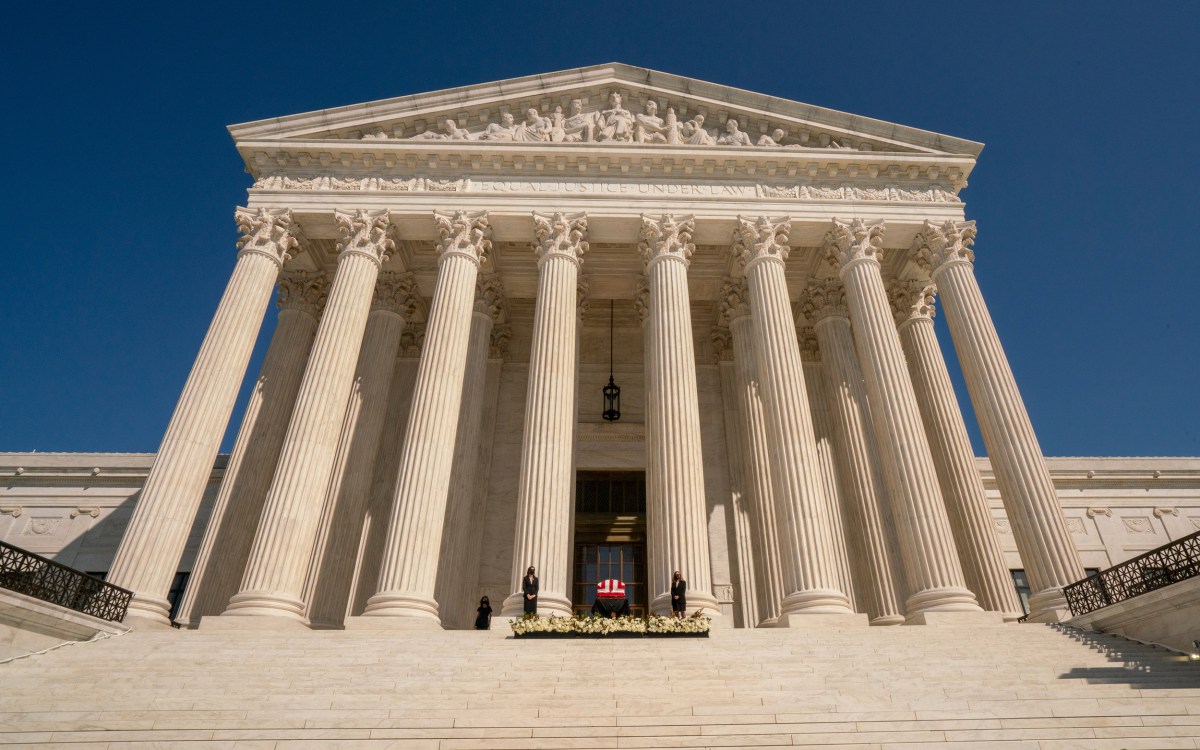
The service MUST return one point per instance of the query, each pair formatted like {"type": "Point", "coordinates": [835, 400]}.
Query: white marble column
{"type": "Point", "coordinates": [275, 573]}
{"type": "Point", "coordinates": [962, 487]}
{"type": "Point", "coordinates": [221, 560]}
{"type": "Point", "coordinates": [1030, 500]}
{"type": "Point", "coordinates": [408, 575]}
{"type": "Point", "coordinates": [733, 305]}
{"type": "Point", "coordinates": [327, 586]}
{"type": "Point", "coordinates": [824, 304]}
{"type": "Point", "coordinates": [676, 505]}
{"type": "Point", "coordinates": [543, 529]}
{"type": "Point", "coordinates": [456, 578]}
{"type": "Point", "coordinates": [811, 574]}
{"type": "Point", "coordinates": [150, 550]}
{"type": "Point", "coordinates": [932, 568]}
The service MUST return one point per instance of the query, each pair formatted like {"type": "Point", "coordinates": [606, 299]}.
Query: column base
{"type": "Point", "coordinates": [887, 620]}
{"type": "Point", "coordinates": [264, 604]}
{"type": "Point", "coordinates": [393, 622]}
{"type": "Point", "coordinates": [1049, 605]}
{"type": "Point", "coordinates": [397, 605]}
{"type": "Point", "coordinates": [817, 602]}
{"type": "Point", "coordinates": [250, 622]}
{"type": "Point", "coordinates": [147, 613]}
{"type": "Point", "coordinates": [979, 619]}
{"type": "Point", "coordinates": [821, 621]}
{"type": "Point", "coordinates": [944, 599]}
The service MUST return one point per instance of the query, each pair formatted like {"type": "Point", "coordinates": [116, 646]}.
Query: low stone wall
{"type": "Point", "coordinates": [28, 625]}
{"type": "Point", "coordinates": [1169, 616]}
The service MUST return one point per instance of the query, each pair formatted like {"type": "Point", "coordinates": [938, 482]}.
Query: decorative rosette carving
{"type": "Point", "coordinates": [733, 300]}
{"type": "Point", "coordinates": [489, 297]}
{"type": "Point", "coordinates": [912, 300]}
{"type": "Point", "coordinates": [937, 246]}
{"type": "Point", "coordinates": [365, 233]}
{"type": "Point", "coordinates": [397, 292]}
{"type": "Point", "coordinates": [464, 233]}
{"type": "Point", "coordinates": [851, 241]}
{"type": "Point", "coordinates": [560, 234]}
{"type": "Point", "coordinates": [761, 239]}
{"type": "Point", "coordinates": [722, 339]}
{"type": "Point", "coordinates": [810, 350]}
{"type": "Point", "coordinates": [304, 291]}
{"type": "Point", "coordinates": [666, 237]}
{"type": "Point", "coordinates": [266, 232]}
{"type": "Point", "coordinates": [823, 298]}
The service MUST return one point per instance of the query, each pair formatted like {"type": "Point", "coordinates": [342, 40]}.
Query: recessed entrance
{"type": "Point", "coordinates": [610, 536]}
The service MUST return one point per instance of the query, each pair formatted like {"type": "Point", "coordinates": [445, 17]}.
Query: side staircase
{"type": "Point", "coordinates": [1006, 687]}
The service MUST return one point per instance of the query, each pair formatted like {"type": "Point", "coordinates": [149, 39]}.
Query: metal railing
{"type": "Point", "coordinates": [1156, 569]}
{"type": "Point", "coordinates": [36, 576]}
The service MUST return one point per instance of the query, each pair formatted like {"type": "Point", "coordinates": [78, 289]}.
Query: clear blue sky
{"type": "Point", "coordinates": [120, 180]}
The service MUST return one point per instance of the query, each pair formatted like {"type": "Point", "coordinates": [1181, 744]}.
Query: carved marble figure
{"type": "Point", "coordinates": [649, 126]}
{"type": "Point", "coordinates": [733, 135]}
{"type": "Point", "coordinates": [616, 122]}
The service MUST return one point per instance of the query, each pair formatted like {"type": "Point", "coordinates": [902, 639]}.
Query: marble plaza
{"type": "Point", "coordinates": [458, 276]}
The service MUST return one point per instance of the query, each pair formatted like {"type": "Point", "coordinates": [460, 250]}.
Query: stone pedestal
{"type": "Point", "coordinates": [543, 529]}
{"type": "Point", "coordinates": [1030, 500]}
{"type": "Point", "coordinates": [824, 304]}
{"type": "Point", "coordinates": [933, 572]}
{"type": "Point", "coordinates": [149, 554]}
{"type": "Point", "coordinates": [275, 573]}
{"type": "Point", "coordinates": [408, 575]}
{"type": "Point", "coordinates": [676, 510]}
{"type": "Point", "coordinates": [811, 574]}
{"type": "Point", "coordinates": [225, 547]}
{"type": "Point", "coordinates": [966, 500]}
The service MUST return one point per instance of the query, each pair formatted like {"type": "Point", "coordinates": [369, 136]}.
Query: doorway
{"type": "Point", "coordinates": [610, 537]}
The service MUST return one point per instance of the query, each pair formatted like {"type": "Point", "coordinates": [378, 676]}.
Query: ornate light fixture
{"type": "Point", "coordinates": [612, 392]}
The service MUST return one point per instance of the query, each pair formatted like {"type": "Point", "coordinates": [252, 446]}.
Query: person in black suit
{"type": "Point", "coordinates": [678, 595]}
{"type": "Point", "coordinates": [529, 587]}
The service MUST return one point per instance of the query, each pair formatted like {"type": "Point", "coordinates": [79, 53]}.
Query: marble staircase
{"type": "Point", "coordinates": [1007, 687]}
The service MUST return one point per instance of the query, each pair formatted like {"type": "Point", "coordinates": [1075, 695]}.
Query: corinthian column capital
{"type": "Point", "coordinates": [266, 232]}
{"type": "Point", "coordinates": [464, 233]}
{"type": "Point", "coordinates": [733, 301]}
{"type": "Point", "coordinates": [722, 341]}
{"type": "Point", "coordinates": [583, 298]}
{"type": "Point", "coordinates": [761, 239]}
{"type": "Point", "coordinates": [304, 291]}
{"type": "Point", "coordinates": [397, 292]}
{"type": "Point", "coordinates": [938, 246]}
{"type": "Point", "coordinates": [823, 298]}
{"type": "Point", "coordinates": [489, 297]}
{"type": "Point", "coordinates": [850, 241]}
{"type": "Point", "coordinates": [912, 300]}
{"type": "Point", "coordinates": [560, 234]}
{"type": "Point", "coordinates": [641, 299]}
{"type": "Point", "coordinates": [364, 233]}
{"type": "Point", "coordinates": [810, 348]}
{"type": "Point", "coordinates": [666, 237]}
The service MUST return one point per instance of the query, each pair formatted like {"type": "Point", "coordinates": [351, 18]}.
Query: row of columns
{"type": "Point", "coordinates": [905, 460]}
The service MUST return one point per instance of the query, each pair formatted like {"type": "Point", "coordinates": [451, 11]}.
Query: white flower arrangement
{"type": "Point", "coordinates": [602, 626]}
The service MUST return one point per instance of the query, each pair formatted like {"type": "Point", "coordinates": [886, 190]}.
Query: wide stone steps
{"type": "Point", "coordinates": [1028, 686]}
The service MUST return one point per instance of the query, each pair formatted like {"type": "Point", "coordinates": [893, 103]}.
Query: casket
{"type": "Point", "coordinates": [610, 588]}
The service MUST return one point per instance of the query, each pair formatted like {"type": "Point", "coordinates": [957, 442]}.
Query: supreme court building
{"type": "Point", "coordinates": [458, 277]}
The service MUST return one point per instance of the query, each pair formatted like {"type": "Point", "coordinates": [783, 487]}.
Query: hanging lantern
{"type": "Point", "coordinates": [612, 392]}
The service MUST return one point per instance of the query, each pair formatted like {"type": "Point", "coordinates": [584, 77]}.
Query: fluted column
{"type": "Point", "coordinates": [932, 569]}
{"type": "Point", "coordinates": [274, 580]}
{"type": "Point", "coordinates": [455, 579]}
{"type": "Point", "coordinates": [543, 529]}
{"type": "Point", "coordinates": [327, 587]}
{"type": "Point", "coordinates": [408, 575]}
{"type": "Point", "coordinates": [221, 560]}
{"type": "Point", "coordinates": [733, 306]}
{"type": "Point", "coordinates": [811, 574]}
{"type": "Point", "coordinates": [1030, 500]}
{"type": "Point", "coordinates": [676, 505]}
{"type": "Point", "coordinates": [824, 304]}
{"type": "Point", "coordinates": [962, 487]}
{"type": "Point", "coordinates": [153, 543]}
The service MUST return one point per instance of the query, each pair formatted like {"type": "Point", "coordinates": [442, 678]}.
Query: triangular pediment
{"type": "Point", "coordinates": [612, 105]}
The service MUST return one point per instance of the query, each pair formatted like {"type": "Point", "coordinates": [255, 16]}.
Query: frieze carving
{"type": "Point", "coordinates": [1138, 525]}
{"type": "Point", "coordinates": [856, 193]}
{"type": "Point", "coordinates": [1075, 526]}
{"type": "Point", "coordinates": [560, 234]}
{"type": "Point", "coordinates": [821, 299]}
{"type": "Point", "coordinates": [1002, 525]}
{"type": "Point", "coordinates": [611, 121]}
{"type": "Point", "coordinates": [912, 300]}
{"type": "Point", "coordinates": [41, 526]}
{"type": "Point", "coordinates": [723, 592]}
{"type": "Point", "coordinates": [368, 184]}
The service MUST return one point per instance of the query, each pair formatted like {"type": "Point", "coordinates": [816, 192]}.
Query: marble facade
{"type": "Point", "coordinates": [446, 266]}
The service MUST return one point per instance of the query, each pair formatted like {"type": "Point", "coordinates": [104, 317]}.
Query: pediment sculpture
{"type": "Point", "coordinates": [611, 123]}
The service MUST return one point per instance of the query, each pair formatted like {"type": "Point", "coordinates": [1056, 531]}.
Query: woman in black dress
{"type": "Point", "coordinates": [483, 620]}
{"type": "Point", "coordinates": [529, 587]}
{"type": "Point", "coordinates": [678, 595]}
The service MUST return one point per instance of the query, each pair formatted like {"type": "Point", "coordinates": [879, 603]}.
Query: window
{"type": "Point", "coordinates": [1022, 585]}
{"type": "Point", "coordinates": [175, 595]}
